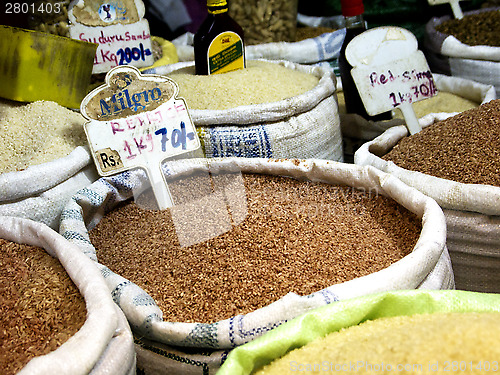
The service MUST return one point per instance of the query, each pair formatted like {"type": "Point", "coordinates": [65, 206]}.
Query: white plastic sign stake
{"type": "Point", "coordinates": [390, 71]}
{"type": "Point", "coordinates": [455, 7]}
{"type": "Point", "coordinates": [137, 121]}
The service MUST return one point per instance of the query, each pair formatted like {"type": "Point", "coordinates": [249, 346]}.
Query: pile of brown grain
{"type": "Point", "coordinates": [298, 236]}
{"type": "Point", "coordinates": [464, 148]}
{"type": "Point", "coordinates": [475, 29]}
{"type": "Point", "coordinates": [41, 307]}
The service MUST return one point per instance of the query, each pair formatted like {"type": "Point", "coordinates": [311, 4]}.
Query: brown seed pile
{"type": "Point", "coordinates": [475, 29]}
{"type": "Point", "coordinates": [298, 236]}
{"type": "Point", "coordinates": [40, 306]}
{"type": "Point", "coordinates": [464, 148]}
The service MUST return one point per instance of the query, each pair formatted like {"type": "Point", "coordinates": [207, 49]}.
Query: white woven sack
{"type": "Point", "coordinates": [447, 55]}
{"type": "Point", "coordinates": [104, 344]}
{"type": "Point", "coordinates": [427, 267]}
{"type": "Point", "coordinates": [304, 126]}
{"type": "Point", "coordinates": [41, 191]}
{"type": "Point", "coordinates": [154, 358]}
{"type": "Point", "coordinates": [472, 212]}
{"type": "Point", "coordinates": [309, 51]}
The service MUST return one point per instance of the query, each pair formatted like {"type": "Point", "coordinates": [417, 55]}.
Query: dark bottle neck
{"type": "Point", "coordinates": [355, 22]}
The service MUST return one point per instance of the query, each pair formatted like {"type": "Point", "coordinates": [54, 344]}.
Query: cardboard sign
{"type": "Point", "coordinates": [390, 72]}
{"type": "Point", "coordinates": [137, 121]}
{"type": "Point", "coordinates": [118, 27]}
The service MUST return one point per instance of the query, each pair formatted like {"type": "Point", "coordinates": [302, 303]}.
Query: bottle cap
{"type": "Point", "coordinates": [352, 8]}
{"type": "Point", "coordinates": [217, 6]}
{"type": "Point", "coordinates": [216, 3]}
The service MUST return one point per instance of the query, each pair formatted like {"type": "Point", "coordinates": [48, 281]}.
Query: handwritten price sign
{"type": "Point", "coordinates": [137, 121]}
{"type": "Point", "coordinates": [390, 72]}
{"type": "Point", "coordinates": [402, 81]}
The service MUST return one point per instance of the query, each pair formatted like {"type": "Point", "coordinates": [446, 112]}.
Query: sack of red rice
{"type": "Point", "coordinates": [57, 314]}
{"type": "Point", "coordinates": [401, 331]}
{"type": "Point", "coordinates": [454, 95]}
{"type": "Point", "coordinates": [44, 160]}
{"type": "Point", "coordinates": [311, 232]}
{"type": "Point", "coordinates": [270, 109]}
{"type": "Point", "coordinates": [456, 162]}
{"type": "Point", "coordinates": [468, 47]}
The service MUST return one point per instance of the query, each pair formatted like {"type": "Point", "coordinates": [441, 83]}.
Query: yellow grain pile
{"type": "Point", "coordinates": [465, 343]}
{"type": "Point", "coordinates": [260, 82]}
{"type": "Point", "coordinates": [36, 133]}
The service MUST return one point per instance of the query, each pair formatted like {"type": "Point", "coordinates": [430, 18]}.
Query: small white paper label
{"type": "Point", "coordinates": [118, 44]}
{"type": "Point", "coordinates": [387, 86]}
{"type": "Point", "coordinates": [118, 27]}
{"type": "Point", "coordinates": [390, 72]}
{"type": "Point", "coordinates": [137, 121]}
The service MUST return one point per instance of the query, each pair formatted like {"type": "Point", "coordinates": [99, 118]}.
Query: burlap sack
{"type": "Point", "coordinates": [304, 126]}
{"type": "Point", "coordinates": [447, 55]}
{"type": "Point", "coordinates": [41, 191]}
{"type": "Point", "coordinates": [322, 321]}
{"type": "Point", "coordinates": [104, 344]}
{"type": "Point", "coordinates": [472, 213]}
{"type": "Point", "coordinates": [427, 267]}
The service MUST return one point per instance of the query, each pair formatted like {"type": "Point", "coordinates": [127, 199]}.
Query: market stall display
{"type": "Point", "coordinates": [59, 316]}
{"type": "Point", "coordinates": [275, 240]}
{"type": "Point", "coordinates": [426, 266]}
{"type": "Point", "coordinates": [455, 162]}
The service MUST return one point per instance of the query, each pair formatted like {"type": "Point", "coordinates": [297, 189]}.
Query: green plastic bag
{"type": "Point", "coordinates": [319, 322]}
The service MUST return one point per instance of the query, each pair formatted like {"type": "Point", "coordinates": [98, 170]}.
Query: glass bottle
{"type": "Point", "coordinates": [218, 43]}
{"type": "Point", "coordinates": [353, 10]}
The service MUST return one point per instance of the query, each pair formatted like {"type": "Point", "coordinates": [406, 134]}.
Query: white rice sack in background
{"type": "Point", "coordinates": [104, 344]}
{"type": "Point", "coordinates": [309, 51]}
{"type": "Point", "coordinates": [447, 55]}
{"type": "Point", "coordinates": [426, 267]}
{"type": "Point", "coordinates": [472, 210]}
{"type": "Point", "coordinates": [305, 125]}
{"type": "Point", "coordinates": [44, 160]}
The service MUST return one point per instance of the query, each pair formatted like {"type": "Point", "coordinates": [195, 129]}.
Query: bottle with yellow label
{"type": "Point", "coordinates": [218, 43]}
